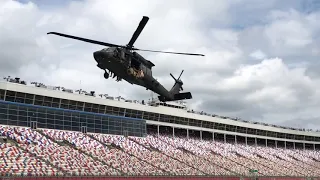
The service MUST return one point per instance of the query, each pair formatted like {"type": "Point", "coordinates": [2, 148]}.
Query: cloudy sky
{"type": "Point", "coordinates": [261, 63]}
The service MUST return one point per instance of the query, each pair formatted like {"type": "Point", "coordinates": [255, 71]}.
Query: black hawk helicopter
{"type": "Point", "coordinates": [123, 62]}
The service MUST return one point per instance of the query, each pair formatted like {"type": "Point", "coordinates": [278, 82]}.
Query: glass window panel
{"type": "Point", "coordinates": [38, 103]}
{"type": "Point", "coordinates": [90, 130]}
{"type": "Point", "coordinates": [95, 106]}
{"type": "Point", "coordinates": [115, 109]}
{"type": "Point", "coordinates": [3, 106]}
{"type": "Point", "coordinates": [50, 121]}
{"type": "Point", "coordinates": [111, 123]}
{"type": "Point", "coordinates": [38, 97]}
{"type": "Point", "coordinates": [83, 119]}
{"type": "Point", "coordinates": [64, 101]}
{"type": "Point", "coordinates": [97, 120]}
{"type": "Point", "coordinates": [42, 120]}
{"type": "Point", "coordinates": [90, 126]}
{"type": "Point", "coordinates": [29, 96]}
{"type": "Point", "coordinates": [102, 109]}
{"type": "Point", "coordinates": [42, 115]}
{"type": "Point", "coordinates": [28, 101]}
{"type": "Point", "coordinates": [58, 113]}
{"type": "Point", "coordinates": [58, 117]}
{"type": "Point", "coordinates": [13, 117]}
{"type": "Point", "coordinates": [98, 126]}
{"type": "Point", "coordinates": [64, 106]}
{"type": "Point", "coordinates": [75, 124]}
{"type": "Point", "coordinates": [32, 112]}
{"type": "Point", "coordinates": [55, 105]}
{"type": "Point", "coordinates": [20, 94]}
{"type": "Point", "coordinates": [117, 123]}
{"type": "Point", "coordinates": [41, 125]}
{"type": "Point", "coordinates": [19, 100]}
{"type": "Point", "coordinates": [90, 119]}
{"type": "Point", "coordinates": [66, 113]}
{"type": "Point", "coordinates": [98, 130]}
{"type": "Point", "coordinates": [73, 103]}
{"type": "Point", "coordinates": [67, 118]}
{"type": "Point", "coordinates": [13, 111]}
{"type": "Point", "coordinates": [75, 119]}
{"type": "Point", "coordinates": [11, 106]}
{"type": "Point", "coordinates": [48, 104]}
{"type": "Point", "coordinates": [56, 100]}
{"type": "Point", "coordinates": [3, 111]}
{"type": "Point", "coordinates": [22, 123]}
{"type": "Point", "coordinates": [23, 108]}
{"type": "Point", "coordinates": [12, 123]}
{"type": "Point", "coordinates": [49, 111]}
{"type": "Point", "coordinates": [66, 123]}
{"type": "Point", "coordinates": [105, 119]}
{"type": "Point", "coordinates": [105, 129]}
{"type": "Point", "coordinates": [75, 128]}
{"type": "Point", "coordinates": [3, 119]}
{"type": "Point", "coordinates": [88, 107]}
{"type": "Point", "coordinates": [3, 115]}
{"type": "Point", "coordinates": [47, 99]}
{"type": "Point", "coordinates": [50, 126]}
{"type": "Point", "coordinates": [58, 125]}
{"type": "Point", "coordinates": [109, 110]}
{"type": "Point", "coordinates": [2, 94]}
{"type": "Point", "coordinates": [11, 93]}
{"type": "Point", "coordinates": [72, 107]}
{"type": "Point", "coordinates": [67, 128]}
{"type": "Point", "coordinates": [9, 98]}
{"type": "Point", "coordinates": [22, 118]}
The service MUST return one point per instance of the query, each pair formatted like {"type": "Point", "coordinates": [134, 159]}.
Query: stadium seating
{"type": "Point", "coordinates": [28, 152]}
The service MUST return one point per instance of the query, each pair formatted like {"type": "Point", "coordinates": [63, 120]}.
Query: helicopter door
{"type": "Point", "coordinates": [122, 55]}
{"type": "Point", "coordinates": [148, 71]}
{"type": "Point", "coordinates": [143, 70]}
{"type": "Point", "coordinates": [135, 64]}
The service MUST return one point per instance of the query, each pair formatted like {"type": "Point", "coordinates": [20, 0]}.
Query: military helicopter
{"type": "Point", "coordinates": [123, 62]}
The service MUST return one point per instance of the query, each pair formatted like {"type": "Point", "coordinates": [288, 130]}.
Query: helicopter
{"type": "Point", "coordinates": [123, 62]}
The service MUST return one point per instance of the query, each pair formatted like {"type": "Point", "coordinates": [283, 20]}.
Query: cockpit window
{"type": "Point", "coordinates": [108, 49]}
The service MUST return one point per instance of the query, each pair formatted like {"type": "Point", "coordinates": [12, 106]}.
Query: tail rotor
{"type": "Point", "coordinates": [178, 81]}
{"type": "Point", "coordinates": [175, 90]}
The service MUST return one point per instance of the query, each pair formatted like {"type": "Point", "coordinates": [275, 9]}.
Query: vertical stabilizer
{"type": "Point", "coordinates": [177, 87]}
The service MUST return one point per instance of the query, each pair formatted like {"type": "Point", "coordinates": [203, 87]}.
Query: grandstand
{"type": "Point", "coordinates": [47, 132]}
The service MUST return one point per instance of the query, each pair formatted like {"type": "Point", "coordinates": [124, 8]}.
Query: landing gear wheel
{"type": "Point", "coordinates": [106, 75]}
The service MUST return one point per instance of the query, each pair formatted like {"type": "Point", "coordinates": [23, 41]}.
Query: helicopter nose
{"type": "Point", "coordinates": [98, 56]}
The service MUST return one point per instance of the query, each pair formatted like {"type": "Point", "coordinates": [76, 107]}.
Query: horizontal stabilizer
{"type": "Point", "coordinates": [182, 96]}
{"type": "Point", "coordinates": [179, 96]}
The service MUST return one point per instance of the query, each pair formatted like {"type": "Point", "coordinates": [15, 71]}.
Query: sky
{"type": "Point", "coordinates": [261, 57]}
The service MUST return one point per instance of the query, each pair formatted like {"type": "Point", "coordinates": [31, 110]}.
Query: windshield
{"type": "Point", "coordinates": [111, 49]}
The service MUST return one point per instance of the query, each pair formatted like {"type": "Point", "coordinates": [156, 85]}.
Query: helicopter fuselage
{"type": "Point", "coordinates": [121, 66]}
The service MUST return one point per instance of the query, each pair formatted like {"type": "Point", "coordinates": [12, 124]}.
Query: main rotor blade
{"type": "Point", "coordinates": [139, 29]}
{"type": "Point", "coordinates": [85, 40]}
{"type": "Point", "coordinates": [191, 54]}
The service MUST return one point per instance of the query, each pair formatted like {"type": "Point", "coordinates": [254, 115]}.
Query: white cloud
{"type": "Point", "coordinates": [289, 29]}
{"type": "Point", "coordinates": [224, 81]}
{"type": "Point", "coordinates": [258, 54]}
